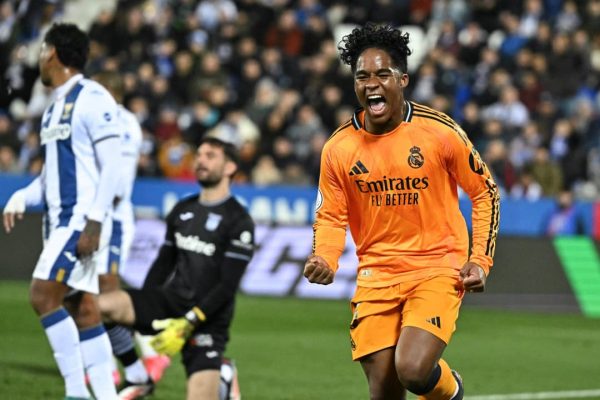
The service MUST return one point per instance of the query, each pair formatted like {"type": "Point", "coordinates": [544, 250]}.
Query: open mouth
{"type": "Point", "coordinates": [376, 103]}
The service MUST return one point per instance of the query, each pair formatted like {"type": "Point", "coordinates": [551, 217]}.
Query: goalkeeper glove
{"type": "Point", "coordinates": [175, 331]}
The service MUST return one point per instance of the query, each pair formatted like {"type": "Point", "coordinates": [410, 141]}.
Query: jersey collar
{"type": "Point", "coordinates": [66, 87]}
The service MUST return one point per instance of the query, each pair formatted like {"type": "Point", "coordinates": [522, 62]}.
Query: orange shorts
{"type": "Point", "coordinates": [378, 314]}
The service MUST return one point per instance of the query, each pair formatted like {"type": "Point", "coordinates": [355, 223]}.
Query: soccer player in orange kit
{"type": "Point", "coordinates": [391, 174]}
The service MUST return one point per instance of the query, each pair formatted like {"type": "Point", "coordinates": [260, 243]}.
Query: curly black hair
{"type": "Point", "coordinates": [384, 37]}
{"type": "Point", "coordinates": [71, 43]}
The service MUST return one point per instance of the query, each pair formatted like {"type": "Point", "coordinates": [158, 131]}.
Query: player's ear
{"type": "Point", "coordinates": [230, 168]}
{"type": "Point", "coordinates": [404, 80]}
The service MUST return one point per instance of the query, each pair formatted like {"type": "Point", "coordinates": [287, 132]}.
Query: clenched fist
{"type": "Point", "coordinates": [316, 270]}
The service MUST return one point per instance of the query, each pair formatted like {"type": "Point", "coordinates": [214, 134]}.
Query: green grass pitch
{"type": "Point", "coordinates": [288, 349]}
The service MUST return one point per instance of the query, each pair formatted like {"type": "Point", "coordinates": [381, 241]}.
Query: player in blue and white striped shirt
{"type": "Point", "coordinates": [79, 135]}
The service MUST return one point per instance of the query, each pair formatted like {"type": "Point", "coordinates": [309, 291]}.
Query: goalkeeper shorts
{"type": "Point", "coordinates": [378, 314]}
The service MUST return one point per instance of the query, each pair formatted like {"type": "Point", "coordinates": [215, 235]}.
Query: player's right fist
{"type": "Point", "coordinates": [316, 270]}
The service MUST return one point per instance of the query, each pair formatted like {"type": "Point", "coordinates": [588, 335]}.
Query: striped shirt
{"type": "Point", "coordinates": [82, 115]}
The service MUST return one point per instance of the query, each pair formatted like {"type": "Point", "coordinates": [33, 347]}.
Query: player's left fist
{"type": "Point", "coordinates": [316, 270]}
{"type": "Point", "coordinates": [175, 332]}
{"type": "Point", "coordinates": [472, 278]}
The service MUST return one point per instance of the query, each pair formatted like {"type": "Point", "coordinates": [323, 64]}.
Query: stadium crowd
{"type": "Point", "coordinates": [521, 77]}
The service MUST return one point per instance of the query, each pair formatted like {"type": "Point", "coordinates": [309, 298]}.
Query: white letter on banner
{"type": "Point", "coordinates": [295, 213]}
{"type": "Point", "coordinates": [260, 209]}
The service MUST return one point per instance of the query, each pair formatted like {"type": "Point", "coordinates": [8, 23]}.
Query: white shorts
{"type": "Point", "coordinates": [58, 261]}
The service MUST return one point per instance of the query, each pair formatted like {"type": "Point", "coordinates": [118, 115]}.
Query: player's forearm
{"type": "Point", "coordinates": [162, 267]}
{"type": "Point", "coordinates": [109, 160]}
{"type": "Point", "coordinates": [329, 242]}
{"type": "Point", "coordinates": [225, 291]}
{"type": "Point", "coordinates": [485, 222]}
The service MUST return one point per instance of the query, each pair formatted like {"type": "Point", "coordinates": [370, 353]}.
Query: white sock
{"type": "Point", "coordinates": [136, 372]}
{"type": "Point", "coordinates": [143, 342]}
{"type": "Point", "coordinates": [64, 341]}
{"type": "Point", "coordinates": [97, 359]}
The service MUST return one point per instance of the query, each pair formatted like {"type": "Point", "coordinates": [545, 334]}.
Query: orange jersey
{"type": "Point", "coordinates": [398, 194]}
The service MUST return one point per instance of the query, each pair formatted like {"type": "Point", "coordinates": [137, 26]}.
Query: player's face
{"type": "Point", "coordinates": [46, 53]}
{"type": "Point", "coordinates": [379, 86]}
{"type": "Point", "coordinates": [210, 165]}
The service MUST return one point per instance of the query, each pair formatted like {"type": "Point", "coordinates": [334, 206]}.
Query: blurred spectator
{"type": "Point", "coordinates": [29, 152]}
{"type": "Point", "coordinates": [285, 34]}
{"type": "Point", "coordinates": [565, 220]}
{"type": "Point", "coordinates": [295, 174]}
{"type": "Point", "coordinates": [526, 187]}
{"type": "Point", "coordinates": [472, 40]}
{"type": "Point", "coordinates": [236, 128]}
{"type": "Point", "coordinates": [316, 32]}
{"type": "Point", "coordinates": [283, 152]}
{"type": "Point", "coordinates": [8, 159]}
{"type": "Point", "coordinates": [568, 19]}
{"type": "Point", "coordinates": [166, 126]}
{"type": "Point", "coordinates": [546, 172]}
{"type": "Point", "coordinates": [565, 63]}
{"type": "Point", "coordinates": [175, 159]}
{"type": "Point", "coordinates": [496, 158]}
{"type": "Point", "coordinates": [266, 172]}
{"type": "Point", "coordinates": [197, 120]}
{"type": "Point", "coordinates": [301, 132]}
{"type": "Point", "coordinates": [8, 134]}
{"type": "Point", "coordinates": [532, 14]}
{"type": "Point", "coordinates": [183, 75]}
{"type": "Point", "coordinates": [509, 109]}
{"type": "Point", "coordinates": [424, 86]}
{"type": "Point", "coordinates": [249, 153]}
{"type": "Point", "coordinates": [472, 124]}
{"type": "Point", "coordinates": [513, 39]}
{"type": "Point", "coordinates": [523, 147]}
{"type": "Point", "coordinates": [212, 13]}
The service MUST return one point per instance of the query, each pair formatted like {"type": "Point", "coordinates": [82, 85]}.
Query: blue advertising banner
{"type": "Point", "coordinates": [294, 205]}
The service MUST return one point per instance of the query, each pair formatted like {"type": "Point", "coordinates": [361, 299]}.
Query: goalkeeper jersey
{"type": "Point", "coordinates": [398, 194]}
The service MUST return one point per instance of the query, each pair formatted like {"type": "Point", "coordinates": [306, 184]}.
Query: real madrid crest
{"type": "Point", "coordinates": [416, 159]}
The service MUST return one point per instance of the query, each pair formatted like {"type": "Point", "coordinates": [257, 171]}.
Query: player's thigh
{"type": "Point", "coordinates": [376, 320]}
{"type": "Point", "coordinates": [155, 303]}
{"type": "Point", "coordinates": [433, 305]}
{"type": "Point", "coordinates": [117, 306]}
{"type": "Point", "coordinates": [204, 385]}
{"type": "Point", "coordinates": [204, 351]}
{"type": "Point", "coordinates": [381, 375]}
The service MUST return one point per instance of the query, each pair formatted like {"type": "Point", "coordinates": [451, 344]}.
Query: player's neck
{"type": "Point", "coordinates": [62, 75]}
{"type": "Point", "coordinates": [215, 193]}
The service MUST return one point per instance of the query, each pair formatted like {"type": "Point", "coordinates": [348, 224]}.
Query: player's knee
{"type": "Point", "coordinates": [44, 298]}
{"type": "Point", "coordinates": [88, 313]}
{"type": "Point", "coordinates": [414, 375]}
